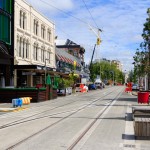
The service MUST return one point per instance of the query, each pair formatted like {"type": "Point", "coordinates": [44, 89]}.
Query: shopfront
{"type": "Point", "coordinates": [31, 75]}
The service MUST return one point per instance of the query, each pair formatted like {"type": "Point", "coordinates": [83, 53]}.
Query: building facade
{"type": "Point", "coordinates": [71, 53]}
{"type": "Point", "coordinates": [118, 64]}
{"type": "Point", "coordinates": [6, 42]}
{"type": "Point", "coordinates": [34, 46]}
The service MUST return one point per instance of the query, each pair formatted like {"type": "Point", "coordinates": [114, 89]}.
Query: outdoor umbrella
{"type": "Point", "coordinates": [55, 82]}
{"type": "Point", "coordinates": [48, 80]}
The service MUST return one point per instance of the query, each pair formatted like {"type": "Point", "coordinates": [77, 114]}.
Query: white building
{"type": "Point", "coordinates": [34, 46]}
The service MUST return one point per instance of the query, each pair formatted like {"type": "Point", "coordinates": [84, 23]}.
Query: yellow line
{"type": "Point", "coordinates": [14, 110]}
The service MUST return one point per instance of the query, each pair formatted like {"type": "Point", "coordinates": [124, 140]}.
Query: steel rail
{"type": "Point", "coordinates": [23, 120]}
{"type": "Point", "coordinates": [55, 123]}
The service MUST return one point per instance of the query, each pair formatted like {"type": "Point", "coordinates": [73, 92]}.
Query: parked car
{"type": "Point", "coordinates": [100, 85]}
{"type": "Point", "coordinates": [135, 87]}
{"type": "Point", "coordinates": [92, 87]}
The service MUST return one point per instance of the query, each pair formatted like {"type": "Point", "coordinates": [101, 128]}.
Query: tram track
{"type": "Point", "coordinates": [78, 139]}
{"type": "Point", "coordinates": [23, 120]}
{"type": "Point", "coordinates": [63, 118]}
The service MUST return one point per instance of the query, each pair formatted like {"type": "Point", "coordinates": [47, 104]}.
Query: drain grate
{"type": "Point", "coordinates": [129, 145]}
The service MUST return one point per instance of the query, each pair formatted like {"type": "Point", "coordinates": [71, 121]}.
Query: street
{"type": "Point", "coordinates": [97, 120]}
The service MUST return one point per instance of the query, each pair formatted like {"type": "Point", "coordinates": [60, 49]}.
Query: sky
{"type": "Point", "coordinates": [121, 22]}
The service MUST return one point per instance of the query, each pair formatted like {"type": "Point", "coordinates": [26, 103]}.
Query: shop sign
{"type": "Point", "coordinates": [28, 73]}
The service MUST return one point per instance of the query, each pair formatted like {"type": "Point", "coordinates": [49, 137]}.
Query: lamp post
{"type": "Point", "coordinates": [45, 69]}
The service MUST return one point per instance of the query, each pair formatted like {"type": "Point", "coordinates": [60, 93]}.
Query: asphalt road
{"type": "Point", "coordinates": [97, 120]}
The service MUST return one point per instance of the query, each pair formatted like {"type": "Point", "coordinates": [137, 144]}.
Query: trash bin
{"type": "Point", "coordinates": [143, 97]}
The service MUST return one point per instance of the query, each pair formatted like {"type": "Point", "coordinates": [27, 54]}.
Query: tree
{"type": "Point", "coordinates": [142, 57]}
{"type": "Point", "coordinates": [106, 71]}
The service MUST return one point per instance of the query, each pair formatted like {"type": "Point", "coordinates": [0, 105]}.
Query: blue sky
{"type": "Point", "coordinates": [121, 21]}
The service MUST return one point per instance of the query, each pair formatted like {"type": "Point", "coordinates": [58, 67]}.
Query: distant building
{"type": "Point", "coordinates": [101, 60]}
{"type": "Point", "coordinates": [34, 46]}
{"type": "Point", "coordinates": [72, 48]}
{"type": "Point", "coordinates": [118, 64]}
{"type": "Point", "coordinates": [73, 52]}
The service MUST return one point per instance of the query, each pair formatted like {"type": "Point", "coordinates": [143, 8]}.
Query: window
{"type": "Point", "coordinates": [43, 31]}
{"type": "Point", "coordinates": [23, 48]}
{"type": "Point", "coordinates": [5, 26]}
{"type": "Point", "coordinates": [48, 57]}
{"type": "Point", "coordinates": [42, 54]}
{"type": "Point", "coordinates": [49, 35]}
{"type": "Point", "coordinates": [35, 30]}
{"type": "Point", "coordinates": [75, 53]}
{"type": "Point", "coordinates": [1, 4]}
{"type": "Point", "coordinates": [35, 52]}
{"type": "Point", "coordinates": [20, 44]}
{"type": "Point", "coordinates": [22, 19]}
{"type": "Point", "coordinates": [26, 49]}
{"type": "Point", "coordinates": [6, 5]}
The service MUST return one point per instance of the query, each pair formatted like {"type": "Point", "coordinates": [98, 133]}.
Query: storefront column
{"type": "Point", "coordinates": [30, 80]}
{"type": "Point", "coordinates": [40, 79]}
{"type": "Point", "coordinates": [15, 77]}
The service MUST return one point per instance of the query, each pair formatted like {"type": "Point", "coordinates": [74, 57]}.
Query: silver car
{"type": "Point", "coordinates": [135, 87]}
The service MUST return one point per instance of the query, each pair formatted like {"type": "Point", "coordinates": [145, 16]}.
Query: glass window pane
{"type": "Point", "coordinates": [1, 4]}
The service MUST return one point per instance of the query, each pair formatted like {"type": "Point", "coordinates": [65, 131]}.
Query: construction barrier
{"type": "Point", "coordinates": [26, 100]}
{"type": "Point", "coordinates": [17, 102]}
{"type": "Point", "coordinates": [128, 89]}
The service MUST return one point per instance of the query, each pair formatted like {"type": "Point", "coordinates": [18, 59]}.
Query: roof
{"type": "Point", "coordinates": [63, 56]}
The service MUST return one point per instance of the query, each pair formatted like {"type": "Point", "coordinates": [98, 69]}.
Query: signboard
{"type": "Point", "coordinates": [28, 73]}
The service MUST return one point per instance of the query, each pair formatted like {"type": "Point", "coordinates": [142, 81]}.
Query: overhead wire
{"type": "Point", "coordinates": [90, 14]}
{"type": "Point", "coordinates": [65, 12]}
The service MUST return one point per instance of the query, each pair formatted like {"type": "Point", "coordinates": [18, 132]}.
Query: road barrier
{"type": "Point", "coordinates": [17, 102]}
{"type": "Point", "coordinates": [26, 100]}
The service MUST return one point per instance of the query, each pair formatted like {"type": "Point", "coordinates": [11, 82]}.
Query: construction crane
{"type": "Point", "coordinates": [97, 33]}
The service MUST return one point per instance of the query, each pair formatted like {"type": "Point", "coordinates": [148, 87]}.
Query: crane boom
{"type": "Point", "coordinates": [98, 40]}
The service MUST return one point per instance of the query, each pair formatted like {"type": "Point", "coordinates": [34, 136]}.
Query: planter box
{"type": "Point", "coordinates": [7, 94]}
{"type": "Point", "coordinates": [142, 128]}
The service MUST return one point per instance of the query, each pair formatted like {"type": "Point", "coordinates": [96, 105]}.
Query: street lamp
{"type": "Point", "coordinates": [45, 69]}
